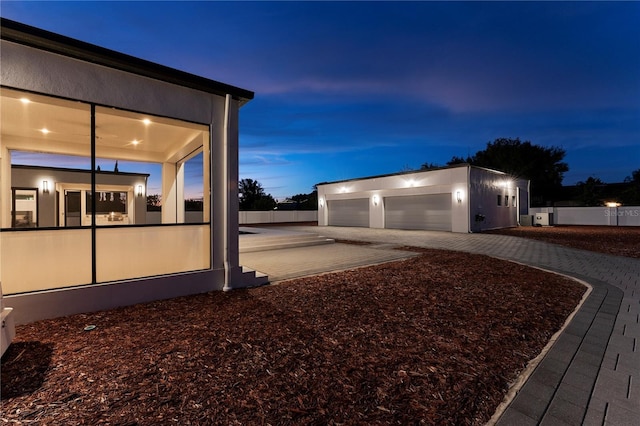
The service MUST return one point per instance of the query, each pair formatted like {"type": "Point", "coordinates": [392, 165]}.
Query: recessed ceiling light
{"type": "Point", "coordinates": [135, 142]}
{"type": "Point", "coordinates": [146, 121]}
{"type": "Point", "coordinates": [25, 100]}
{"type": "Point", "coordinates": [44, 131]}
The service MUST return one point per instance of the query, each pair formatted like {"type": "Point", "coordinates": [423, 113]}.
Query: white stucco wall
{"type": "Point", "coordinates": [486, 185]}
{"type": "Point", "coordinates": [32, 69]}
{"type": "Point", "coordinates": [443, 181]}
{"type": "Point", "coordinates": [33, 177]}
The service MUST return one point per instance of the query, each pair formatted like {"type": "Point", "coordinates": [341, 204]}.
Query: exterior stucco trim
{"type": "Point", "coordinates": [67, 46]}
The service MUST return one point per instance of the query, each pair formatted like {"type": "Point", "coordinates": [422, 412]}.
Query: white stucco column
{"type": "Point", "coordinates": [169, 193]}
{"type": "Point", "coordinates": [172, 193]}
{"type": "Point", "coordinates": [224, 189]}
{"type": "Point", "coordinates": [322, 207]}
{"type": "Point", "coordinates": [5, 187]}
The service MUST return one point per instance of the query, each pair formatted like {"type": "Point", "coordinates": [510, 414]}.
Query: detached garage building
{"type": "Point", "coordinates": [460, 198]}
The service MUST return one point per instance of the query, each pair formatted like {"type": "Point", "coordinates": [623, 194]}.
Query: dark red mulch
{"type": "Point", "coordinates": [615, 240]}
{"type": "Point", "coordinates": [434, 339]}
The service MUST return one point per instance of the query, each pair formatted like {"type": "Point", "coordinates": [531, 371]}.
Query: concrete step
{"type": "Point", "coordinates": [252, 278]}
{"type": "Point", "coordinates": [266, 239]}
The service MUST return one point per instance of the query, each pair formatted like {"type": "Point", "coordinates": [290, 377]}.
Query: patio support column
{"type": "Point", "coordinates": [173, 192]}
{"type": "Point", "coordinates": [5, 187]}
{"type": "Point", "coordinates": [224, 189]}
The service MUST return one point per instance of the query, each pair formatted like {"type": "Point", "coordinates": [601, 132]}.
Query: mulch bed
{"type": "Point", "coordinates": [615, 240]}
{"type": "Point", "coordinates": [434, 339]}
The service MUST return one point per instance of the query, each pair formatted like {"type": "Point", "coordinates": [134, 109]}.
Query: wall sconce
{"type": "Point", "coordinates": [376, 200]}
{"type": "Point", "coordinates": [321, 200]}
{"type": "Point", "coordinates": [139, 191]}
{"type": "Point", "coordinates": [459, 197]}
{"type": "Point", "coordinates": [45, 186]}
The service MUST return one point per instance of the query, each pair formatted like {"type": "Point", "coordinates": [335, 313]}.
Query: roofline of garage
{"type": "Point", "coordinates": [410, 172]}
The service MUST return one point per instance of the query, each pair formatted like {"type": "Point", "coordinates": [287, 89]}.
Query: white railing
{"type": "Point", "coordinates": [43, 260]}
{"type": "Point", "coordinates": [51, 259]}
{"type": "Point", "coordinates": [124, 252]}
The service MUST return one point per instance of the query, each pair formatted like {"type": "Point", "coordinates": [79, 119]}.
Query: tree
{"type": "Point", "coordinates": [430, 166]}
{"type": "Point", "coordinates": [591, 191]}
{"type": "Point", "coordinates": [631, 195]}
{"type": "Point", "coordinates": [459, 160]}
{"type": "Point", "coordinates": [154, 203]}
{"type": "Point", "coordinates": [306, 201]}
{"type": "Point", "coordinates": [543, 166]}
{"type": "Point", "coordinates": [253, 197]}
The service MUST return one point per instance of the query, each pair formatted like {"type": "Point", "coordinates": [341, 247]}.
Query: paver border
{"type": "Point", "coordinates": [559, 389]}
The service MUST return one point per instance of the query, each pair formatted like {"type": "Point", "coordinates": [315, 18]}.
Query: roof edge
{"type": "Point", "coordinates": [67, 169]}
{"type": "Point", "coordinates": [56, 43]}
{"type": "Point", "coordinates": [453, 166]}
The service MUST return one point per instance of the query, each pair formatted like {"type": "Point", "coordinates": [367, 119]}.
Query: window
{"type": "Point", "coordinates": [169, 152]}
{"type": "Point", "coordinates": [108, 202]}
{"type": "Point", "coordinates": [85, 201]}
{"type": "Point", "coordinates": [24, 207]}
{"type": "Point", "coordinates": [499, 198]}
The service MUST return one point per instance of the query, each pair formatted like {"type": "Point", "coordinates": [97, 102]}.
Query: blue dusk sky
{"type": "Point", "coordinates": [354, 89]}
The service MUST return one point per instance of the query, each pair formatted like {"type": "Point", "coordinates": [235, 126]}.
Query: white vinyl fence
{"type": "Point", "coordinates": [607, 216]}
{"type": "Point", "coordinates": [250, 217]}
{"type": "Point", "coordinates": [277, 216]}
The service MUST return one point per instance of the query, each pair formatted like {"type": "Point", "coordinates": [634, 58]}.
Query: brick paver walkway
{"type": "Point", "coordinates": [591, 375]}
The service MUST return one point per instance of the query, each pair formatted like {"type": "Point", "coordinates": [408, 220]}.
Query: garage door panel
{"type": "Point", "coordinates": [353, 212]}
{"type": "Point", "coordinates": [429, 212]}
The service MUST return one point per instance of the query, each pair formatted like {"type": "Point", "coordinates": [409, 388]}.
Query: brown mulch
{"type": "Point", "coordinates": [615, 240]}
{"type": "Point", "coordinates": [434, 339]}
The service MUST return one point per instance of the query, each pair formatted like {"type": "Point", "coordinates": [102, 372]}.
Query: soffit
{"type": "Point", "coordinates": [69, 126]}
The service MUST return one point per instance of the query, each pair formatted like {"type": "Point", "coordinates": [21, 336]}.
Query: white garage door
{"type": "Point", "coordinates": [349, 212]}
{"type": "Point", "coordinates": [430, 212]}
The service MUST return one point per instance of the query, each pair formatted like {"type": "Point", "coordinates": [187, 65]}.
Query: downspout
{"type": "Point", "coordinates": [469, 199]}
{"type": "Point", "coordinates": [518, 205]}
{"type": "Point", "coordinates": [225, 208]}
{"type": "Point", "coordinates": [528, 196]}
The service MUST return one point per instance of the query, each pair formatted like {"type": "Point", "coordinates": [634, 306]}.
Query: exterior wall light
{"type": "Point", "coordinates": [376, 200]}
{"type": "Point", "coordinates": [459, 197]}
{"type": "Point", "coordinates": [139, 191]}
{"type": "Point", "coordinates": [321, 201]}
{"type": "Point", "coordinates": [45, 186]}
{"type": "Point", "coordinates": [612, 204]}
